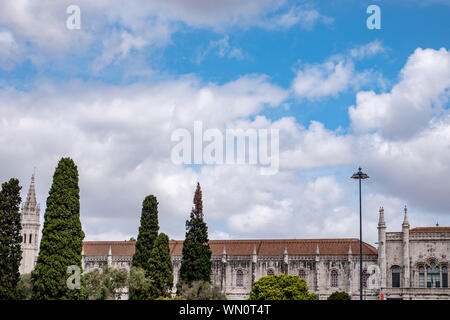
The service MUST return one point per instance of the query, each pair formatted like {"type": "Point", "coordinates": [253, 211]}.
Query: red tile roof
{"type": "Point", "coordinates": [430, 229]}
{"type": "Point", "coordinates": [242, 247]}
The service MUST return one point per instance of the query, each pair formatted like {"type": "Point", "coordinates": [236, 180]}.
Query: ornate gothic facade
{"type": "Point", "coordinates": [411, 264]}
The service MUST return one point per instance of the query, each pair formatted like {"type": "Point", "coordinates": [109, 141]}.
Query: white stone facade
{"type": "Point", "coordinates": [411, 264]}
{"type": "Point", "coordinates": [30, 219]}
{"type": "Point", "coordinates": [414, 262]}
{"type": "Point", "coordinates": [235, 272]}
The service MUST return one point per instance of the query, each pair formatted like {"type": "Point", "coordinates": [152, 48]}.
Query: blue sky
{"type": "Point", "coordinates": [110, 94]}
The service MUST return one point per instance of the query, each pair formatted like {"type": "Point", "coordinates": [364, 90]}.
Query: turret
{"type": "Point", "coordinates": [285, 261]}
{"type": "Point", "coordinates": [405, 233]}
{"type": "Point", "coordinates": [224, 255]}
{"type": "Point", "coordinates": [317, 280]}
{"type": "Point", "coordinates": [109, 257]}
{"type": "Point", "coordinates": [382, 247]}
{"type": "Point", "coordinates": [30, 220]}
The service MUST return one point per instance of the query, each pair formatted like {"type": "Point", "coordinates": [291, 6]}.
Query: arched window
{"type": "Point", "coordinates": [30, 237]}
{"type": "Point", "coordinates": [433, 276]}
{"type": "Point", "coordinates": [396, 277]}
{"type": "Point", "coordinates": [24, 238]}
{"type": "Point", "coordinates": [270, 272]}
{"type": "Point", "coordinates": [302, 274]}
{"type": "Point", "coordinates": [366, 276]}
{"type": "Point", "coordinates": [239, 278]}
{"type": "Point", "coordinates": [421, 277]}
{"type": "Point", "coordinates": [334, 278]}
{"type": "Point", "coordinates": [444, 277]}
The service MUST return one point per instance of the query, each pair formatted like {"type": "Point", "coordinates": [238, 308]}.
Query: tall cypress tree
{"type": "Point", "coordinates": [148, 231]}
{"type": "Point", "coordinates": [10, 239]}
{"type": "Point", "coordinates": [196, 261]}
{"type": "Point", "coordinates": [160, 268]}
{"type": "Point", "coordinates": [62, 236]}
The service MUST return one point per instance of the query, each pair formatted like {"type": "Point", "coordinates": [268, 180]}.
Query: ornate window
{"type": "Point", "coordinates": [396, 277]}
{"type": "Point", "coordinates": [239, 278]}
{"type": "Point", "coordinates": [444, 277]}
{"type": "Point", "coordinates": [302, 274]}
{"type": "Point", "coordinates": [270, 272]}
{"type": "Point", "coordinates": [334, 278]}
{"type": "Point", "coordinates": [421, 277]}
{"type": "Point", "coordinates": [433, 276]}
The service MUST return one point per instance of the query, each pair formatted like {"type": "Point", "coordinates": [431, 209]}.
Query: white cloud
{"type": "Point", "coordinates": [304, 15]}
{"type": "Point", "coordinates": [122, 27]}
{"type": "Point", "coordinates": [337, 74]}
{"type": "Point", "coordinates": [222, 48]}
{"type": "Point", "coordinates": [10, 53]}
{"type": "Point", "coordinates": [368, 50]}
{"type": "Point", "coordinates": [313, 147]}
{"type": "Point", "coordinates": [420, 94]}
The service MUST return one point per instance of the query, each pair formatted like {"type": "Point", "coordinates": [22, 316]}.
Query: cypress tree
{"type": "Point", "coordinates": [196, 260]}
{"type": "Point", "coordinates": [10, 239]}
{"type": "Point", "coordinates": [160, 268]}
{"type": "Point", "coordinates": [148, 231]}
{"type": "Point", "coordinates": [62, 236]}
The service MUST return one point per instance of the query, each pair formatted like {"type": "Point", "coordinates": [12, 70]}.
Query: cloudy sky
{"type": "Point", "coordinates": [110, 95]}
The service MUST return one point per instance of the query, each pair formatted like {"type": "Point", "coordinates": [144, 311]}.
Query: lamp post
{"type": "Point", "coordinates": [360, 175]}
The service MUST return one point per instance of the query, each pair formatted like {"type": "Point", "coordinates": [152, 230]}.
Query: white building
{"type": "Point", "coordinates": [327, 265]}
{"type": "Point", "coordinates": [411, 264]}
{"type": "Point", "coordinates": [414, 262]}
{"type": "Point", "coordinates": [30, 215]}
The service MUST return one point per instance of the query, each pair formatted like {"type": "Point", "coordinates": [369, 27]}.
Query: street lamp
{"type": "Point", "coordinates": [360, 175]}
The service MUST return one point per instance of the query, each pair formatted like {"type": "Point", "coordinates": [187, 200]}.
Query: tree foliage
{"type": "Point", "coordinates": [62, 236]}
{"type": "Point", "coordinates": [10, 239]}
{"type": "Point", "coordinates": [281, 287]}
{"type": "Point", "coordinates": [105, 284]}
{"type": "Point", "coordinates": [201, 290]}
{"type": "Point", "coordinates": [24, 287]}
{"type": "Point", "coordinates": [160, 268]}
{"type": "Point", "coordinates": [339, 295]}
{"type": "Point", "coordinates": [196, 260]}
{"type": "Point", "coordinates": [139, 285]}
{"type": "Point", "coordinates": [148, 231]}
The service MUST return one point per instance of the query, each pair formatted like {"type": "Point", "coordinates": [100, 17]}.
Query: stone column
{"type": "Point", "coordinates": [317, 282]}
{"type": "Point", "coordinates": [254, 262]}
{"type": "Point", "coordinates": [406, 269]}
{"type": "Point", "coordinates": [223, 282]}
{"type": "Point", "coordinates": [382, 248]}
{"type": "Point", "coordinates": [285, 262]}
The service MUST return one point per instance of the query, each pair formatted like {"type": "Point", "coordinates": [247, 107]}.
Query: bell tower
{"type": "Point", "coordinates": [30, 218]}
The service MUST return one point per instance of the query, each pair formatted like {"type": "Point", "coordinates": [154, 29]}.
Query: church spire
{"type": "Point", "coordinates": [381, 222]}
{"type": "Point", "coordinates": [30, 206]}
{"type": "Point", "coordinates": [405, 219]}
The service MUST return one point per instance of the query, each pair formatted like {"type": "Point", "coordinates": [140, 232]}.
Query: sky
{"type": "Point", "coordinates": [111, 93]}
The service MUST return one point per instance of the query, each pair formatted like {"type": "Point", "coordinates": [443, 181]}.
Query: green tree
{"type": "Point", "coordinates": [107, 284]}
{"type": "Point", "coordinates": [160, 268]}
{"type": "Point", "coordinates": [339, 295]}
{"type": "Point", "coordinates": [24, 287]}
{"type": "Point", "coordinates": [281, 287]}
{"type": "Point", "coordinates": [148, 231]}
{"type": "Point", "coordinates": [201, 290]}
{"type": "Point", "coordinates": [196, 260]}
{"type": "Point", "coordinates": [62, 236]}
{"type": "Point", "coordinates": [10, 239]}
{"type": "Point", "coordinates": [139, 285]}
